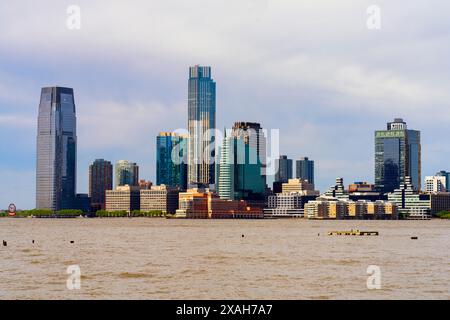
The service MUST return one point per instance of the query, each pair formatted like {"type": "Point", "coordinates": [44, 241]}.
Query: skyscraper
{"type": "Point", "coordinates": [283, 167]}
{"type": "Point", "coordinates": [127, 173]}
{"type": "Point", "coordinates": [171, 158]}
{"type": "Point", "coordinates": [305, 169]}
{"type": "Point", "coordinates": [201, 123]}
{"type": "Point", "coordinates": [397, 155]}
{"type": "Point", "coordinates": [100, 180]}
{"type": "Point", "coordinates": [241, 176]}
{"type": "Point", "coordinates": [56, 150]}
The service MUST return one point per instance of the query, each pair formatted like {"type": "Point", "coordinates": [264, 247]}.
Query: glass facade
{"type": "Point", "coordinates": [241, 175]}
{"type": "Point", "coordinates": [100, 180]}
{"type": "Point", "coordinates": [171, 160]}
{"type": "Point", "coordinates": [283, 167]}
{"type": "Point", "coordinates": [305, 169]}
{"type": "Point", "coordinates": [397, 155]}
{"type": "Point", "coordinates": [201, 126]}
{"type": "Point", "coordinates": [127, 173]}
{"type": "Point", "coordinates": [56, 150]}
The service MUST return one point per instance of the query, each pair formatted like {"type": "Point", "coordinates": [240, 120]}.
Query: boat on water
{"type": "Point", "coordinates": [353, 233]}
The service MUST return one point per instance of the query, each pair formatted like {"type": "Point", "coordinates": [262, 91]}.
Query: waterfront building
{"type": "Point", "coordinates": [201, 126]}
{"type": "Point", "coordinates": [163, 198]}
{"type": "Point", "coordinates": [332, 208]}
{"type": "Point", "coordinates": [203, 204]}
{"type": "Point", "coordinates": [123, 198]}
{"type": "Point", "coordinates": [439, 201]}
{"type": "Point", "coordinates": [171, 159]}
{"type": "Point", "coordinates": [410, 201]}
{"type": "Point", "coordinates": [287, 204]}
{"type": "Point", "coordinates": [127, 173]}
{"type": "Point", "coordinates": [304, 169]}
{"type": "Point", "coordinates": [56, 150]}
{"type": "Point", "coordinates": [240, 171]}
{"type": "Point", "coordinates": [317, 209]}
{"type": "Point", "coordinates": [100, 180]}
{"type": "Point", "coordinates": [436, 183]}
{"type": "Point", "coordinates": [397, 155]}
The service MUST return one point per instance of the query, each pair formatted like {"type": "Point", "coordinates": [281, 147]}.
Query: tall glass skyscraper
{"type": "Point", "coordinates": [201, 123]}
{"type": "Point", "coordinates": [283, 167]}
{"type": "Point", "coordinates": [305, 169]}
{"type": "Point", "coordinates": [127, 173]}
{"type": "Point", "coordinates": [241, 175]}
{"type": "Point", "coordinates": [56, 150]}
{"type": "Point", "coordinates": [100, 180]}
{"type": "Point", "coordinates": [171, 158]}
{"type": "Point", "coordinates": [397, 155]}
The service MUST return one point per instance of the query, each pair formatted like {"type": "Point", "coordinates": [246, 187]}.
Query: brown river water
{"type": "Point", "coordinates": [154, 258]}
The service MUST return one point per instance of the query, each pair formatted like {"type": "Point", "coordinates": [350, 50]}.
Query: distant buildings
{"type": "Point", "coordinates": [123, 198]}
{"type": "Point", "coordinates": [171, 159]}
{"type": "Point", "coordinates": [204, 204]}
{"type": "Point", "coordinates": [445, 174]}
{"type": "Point", "coordinates": [332, 208]}
{"type": "Point", "coordinates": [437, 183]}
{"type": "Point", "coordinates": [201, 123]}
{"type": "Point", "coordinates": [161, 198]}
{"type": "Point", "coordinates": [283, 172]}
{"type": "Point", "coordinates": [240, 171]}
{"type": "Point", "coordinates": [100, 180]}
{"type": "Point", "coordinates": [300, 186]}
{"type": "Point", "coordinates": [127, 173]}
{"type": "Point", "coordinates": [56, 159]}
{"type": "Point", "coordinates": [304, 169]}
{"type": "Point", "coordinates": [287, 204]}
{"type": "Point", "coordinates": [411, 204]}
{"type": "Point", "coordinates": [397, 155]}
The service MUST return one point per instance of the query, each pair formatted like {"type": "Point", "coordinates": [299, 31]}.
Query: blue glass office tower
{"type": "Point", "coordinates": [56, 150]}
{"type": "Point", "coordinates": [201, 123]}
{"type": "Point", "coordinates": [241, 175]}
{"type": "Point", "coordinates": [397, 156]}
{"type": "Point", "coordinates": [171, 159]}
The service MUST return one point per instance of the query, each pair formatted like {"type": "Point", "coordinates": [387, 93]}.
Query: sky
{"type": "Point", "coordinates": [312, 69]}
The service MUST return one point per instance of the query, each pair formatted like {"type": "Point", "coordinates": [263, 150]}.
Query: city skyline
{"type": "Point", "coordinates": [288, 88]}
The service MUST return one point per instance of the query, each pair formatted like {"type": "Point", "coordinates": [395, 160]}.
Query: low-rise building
{"type": "Point", "coordinates": [204, 204]}
{"type": "Point", "coordinates": [300, 186]}
{"type": "Point", "coordinates": [162, 198]}
{"type": "Point", "coordinates": [439, 201]}
{"type": "Point", "coordinates": [287, 204]}
{"type": "Point", "coordinates": [333, 208]}
{"type": "Point", "coordinates": [123, 198]}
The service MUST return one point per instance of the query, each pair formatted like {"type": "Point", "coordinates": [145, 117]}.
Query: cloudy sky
{"type": "Point", "coordinates": [312, 69]}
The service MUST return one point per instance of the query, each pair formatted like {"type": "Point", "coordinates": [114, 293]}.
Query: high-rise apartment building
{"type": "Point", "coordinates": [201, 126]}
{"type": "Point", "coordinates": [127, 173]}
{"type": "Point", "coordinates": [100, 180]}
{"type": "Point", "coordinates": [397, 155]}
{"type": "Point", "coordinates": [283, 167]}
{"type": "Point", "coordinates": [171, 159]}
{"type": "Point", "coordinates": [436, 183]}
{"type": "Point", "coordinates": [56, 150]}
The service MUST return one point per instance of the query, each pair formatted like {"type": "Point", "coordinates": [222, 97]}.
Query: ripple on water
{"type": "Point", "coordinates": [134, 275]}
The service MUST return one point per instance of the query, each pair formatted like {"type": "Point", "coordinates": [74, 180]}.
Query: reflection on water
{"type": "Point", "coordinates": [209, 259]}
